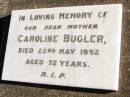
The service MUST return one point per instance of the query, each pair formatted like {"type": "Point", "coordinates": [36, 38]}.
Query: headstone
{"type": "Point", "coordinates": [75, 46]}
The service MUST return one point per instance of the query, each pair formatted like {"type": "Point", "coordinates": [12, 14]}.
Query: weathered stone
{"type": "Point", "coordinates": [124, 85]}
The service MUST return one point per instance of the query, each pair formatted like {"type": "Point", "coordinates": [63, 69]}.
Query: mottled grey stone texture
{"type": "Point", "coordinates": [124, 85]}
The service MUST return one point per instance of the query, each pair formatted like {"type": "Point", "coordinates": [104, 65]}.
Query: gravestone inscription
{"type": "Point", "coordinates": [68, 46]}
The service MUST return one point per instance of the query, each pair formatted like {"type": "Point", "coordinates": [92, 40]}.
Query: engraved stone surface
{"type": "Point", "coordinates": [68, 46]}
{"type": "Point", "coordinates": [124, 86]}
